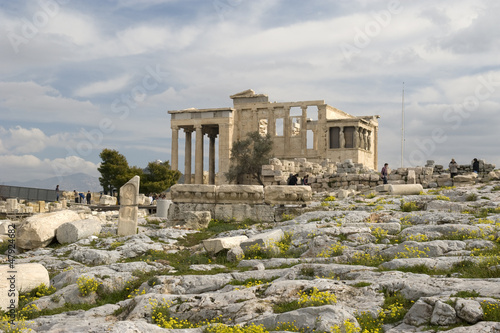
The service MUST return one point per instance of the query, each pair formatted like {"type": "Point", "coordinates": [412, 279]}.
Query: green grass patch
{"type": "Point", "coordinates": [409, 206]}
{"type": "Point", "coordinates": [466, 294]}
{"type": "Point", "coordinates": [215, 227]}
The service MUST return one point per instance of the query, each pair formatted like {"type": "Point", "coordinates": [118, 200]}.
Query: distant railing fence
{"type": "Point", "coordinates": [27, 193]}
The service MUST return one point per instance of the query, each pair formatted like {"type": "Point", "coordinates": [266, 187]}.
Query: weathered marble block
{"type": "Point", "coordinates": [216, 245]}
{"type": "Point", "coordinates": [265, 241]}
{"type": "Point", "coordinates": [287, 195]}
{"type": "Point", "coordinates": [193, 193]}
{"type": "Point", "coordinates": [405, 189]}
{"type": "Point", "coordinates": [71, 232]}
{"type": "Point", "coordinates": [247, 194]}
{"type": "Point", "coordinates": [40, 230]}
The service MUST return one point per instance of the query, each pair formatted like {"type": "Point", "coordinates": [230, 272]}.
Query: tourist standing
{"type": "Point", "coordinates": [475, 166]}
{"type": "Point", "coordinates": [453, 166]}
{"type": "Point", "coordinates": [385, 172]}
{"type": "Point", "coordinates": [89, 196]}
{"type": "Point", "coordinates": [294, 179]}
{"type": "Point", "coordinates": [57, 193]}
{"type": "Point", "coordinates": [76, 196]}
{"type": "Point", "coordinates": [305, 180]}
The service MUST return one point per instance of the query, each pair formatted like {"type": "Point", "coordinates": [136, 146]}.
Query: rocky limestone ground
{"type": "Point", "coordinates": [370, 263]}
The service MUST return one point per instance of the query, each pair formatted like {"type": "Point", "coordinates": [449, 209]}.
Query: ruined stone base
{"type": "Point", "coordinates": [238, 212]}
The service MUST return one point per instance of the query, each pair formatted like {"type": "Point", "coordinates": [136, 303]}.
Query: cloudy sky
{"type": "Point", "coordinates": [79, 76]}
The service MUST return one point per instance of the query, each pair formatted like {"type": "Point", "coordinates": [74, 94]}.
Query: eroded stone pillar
{"type": "Point", "coordinates": [365, 139]}
{"type": "Point", "coordinates": [355, 143]}
{"type": "Point", "coordinates": [187, 157]}
{"type": "Point", "coordinates": [127, 218]}
{"type": "Point", "coordinates": [175, 148]}
{"type": "Point", "coordinates": [341, 138]}
{"type": "Point", "coordinates": [198, 162]}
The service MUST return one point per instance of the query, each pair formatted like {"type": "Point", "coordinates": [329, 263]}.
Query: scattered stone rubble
{"type": "Point", "coordinates": [437, 236]}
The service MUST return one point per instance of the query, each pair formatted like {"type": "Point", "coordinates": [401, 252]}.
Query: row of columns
{"type": "Point", "coordinates": [198, 175]}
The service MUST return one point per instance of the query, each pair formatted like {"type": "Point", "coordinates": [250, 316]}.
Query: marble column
{"type": "Point", "coordinates": [287, 131]}
{"type": "Point", "coordinates": [187, 158]}
{"type": "Point", "coordinates": [175, 148]}
{"type": "Point", "coordinates": [198, 161]}
{"type": "Point", "coordinates": [211, 159]}
{"type": "Point", "coordinates": [303, 131]}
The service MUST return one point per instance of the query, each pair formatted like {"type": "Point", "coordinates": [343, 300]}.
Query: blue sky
{"type": "Point", "coordinates": [80, 76]}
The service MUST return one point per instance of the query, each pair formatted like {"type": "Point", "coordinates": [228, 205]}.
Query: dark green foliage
{"type": "Point", "coordinates": [158, 177]}
{"type": "Point", "coordinates": [248, 156]}
{"type": "Point", "coordinates": [115, 172]}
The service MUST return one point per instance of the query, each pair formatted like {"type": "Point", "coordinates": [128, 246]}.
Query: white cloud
{"type": "Point", "coordinates": [23, 101]}
{"type": "Point", "coordinates": [28, 167]}
{"type": "Point", "coordinates": [104, 87]}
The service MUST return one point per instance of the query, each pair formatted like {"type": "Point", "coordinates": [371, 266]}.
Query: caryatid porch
{"type": "Point", "coordinates": [213, 123]}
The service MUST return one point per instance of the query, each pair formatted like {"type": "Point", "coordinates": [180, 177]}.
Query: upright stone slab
{"type": "Point", "coordinates": [411, 178]}
{"type": "Point", "coordinates": [127, 219]}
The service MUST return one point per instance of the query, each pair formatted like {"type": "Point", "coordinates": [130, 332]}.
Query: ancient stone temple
{"type": "Point", "coordinates": [305, 129]}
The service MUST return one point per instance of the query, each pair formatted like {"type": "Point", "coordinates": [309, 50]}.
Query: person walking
{"type": "Point", "coordinates": [453, 166]}
{"type": "Point", "coordinates": [89, 196]}
{"type": "Point", "coordinates": [57, 193]}
{"type": "Point", "coordinates": [385, 172]}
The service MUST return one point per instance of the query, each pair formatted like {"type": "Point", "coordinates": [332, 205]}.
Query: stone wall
{"type": "Point", "coordinates": [235, 201]}
{"type": "Point", "coordinates": [327, 175]}
{"type": "Point", "coordinates": [484, 168]}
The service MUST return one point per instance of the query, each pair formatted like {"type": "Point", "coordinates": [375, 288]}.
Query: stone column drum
{"type": "Point", "coordinates": [127, 220]}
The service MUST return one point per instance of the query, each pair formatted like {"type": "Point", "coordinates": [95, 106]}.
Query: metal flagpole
{"type": "Point", "coordinates": [402, 124]}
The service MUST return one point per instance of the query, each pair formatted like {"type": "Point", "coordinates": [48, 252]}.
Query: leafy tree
{"type": "Point", "coordinates": [114, 170]}
{"type": "Point", "coordinates": [158, 177]}
{"type": "Point", "coordinates": [248, 156]}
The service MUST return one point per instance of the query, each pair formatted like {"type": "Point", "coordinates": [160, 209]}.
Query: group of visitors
{"type": "Point", "coordinates": [453, 167]}
{"type": "Point", "coordinates": [79, 196]}
{"type": "Point", "coordinates": [293, 179]}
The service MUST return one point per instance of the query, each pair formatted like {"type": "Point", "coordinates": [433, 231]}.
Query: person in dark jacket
{"type": "Point", "coordinates": [89, 196]}
{"type": "Point", "coordinates": [475, 165]}
{"type": "Point", "coordinates": [385, 172]}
